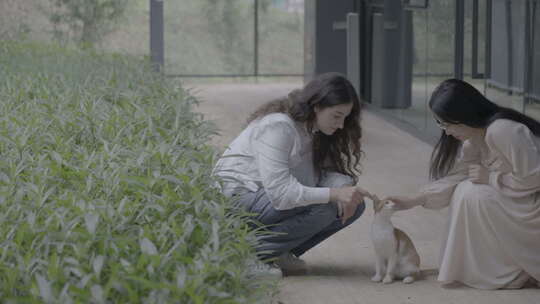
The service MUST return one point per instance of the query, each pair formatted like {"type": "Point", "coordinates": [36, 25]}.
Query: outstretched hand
{"type": "Point", "coordinates": [347, 200]}
{"type": "Point", "coordinates": [406, 202]}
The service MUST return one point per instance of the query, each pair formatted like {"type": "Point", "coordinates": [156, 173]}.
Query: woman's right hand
{"type": "Point", "coordinates": [407, 202]}
{"type": "Point", "coordinates": [347, 199]}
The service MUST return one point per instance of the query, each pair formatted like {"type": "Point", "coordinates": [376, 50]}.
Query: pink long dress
{"type": "Point", "coordinates": [493, 235]}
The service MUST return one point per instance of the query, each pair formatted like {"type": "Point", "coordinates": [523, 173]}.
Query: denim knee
{"type": "Point", "coordinates": [359, 211]}
{"type": "Point", "coordinates": [327, 213]}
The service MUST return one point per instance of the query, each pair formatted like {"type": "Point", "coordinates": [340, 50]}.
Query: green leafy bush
{"type": "Point", "coordinates": [105, 187]}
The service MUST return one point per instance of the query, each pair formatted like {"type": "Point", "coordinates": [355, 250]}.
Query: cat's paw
{"type": "Point", "coordinates": [387, 280]}
{"type": "Point", "coordinates": [408, 280]}
{"type": "Point", "coordinates": [376, 278]}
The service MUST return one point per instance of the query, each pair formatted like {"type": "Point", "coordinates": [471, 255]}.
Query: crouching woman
{"type": "Point", "coordinates": [294, 166]}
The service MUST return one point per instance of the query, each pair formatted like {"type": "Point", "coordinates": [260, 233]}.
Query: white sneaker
{"type": "Point", "coordinates": [290, 263]}
{"type": "Point", "coordinates": [262, 270]}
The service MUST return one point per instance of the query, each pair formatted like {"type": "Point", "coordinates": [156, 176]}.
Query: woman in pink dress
{"type": "Point", "coordinates": [486, 169]}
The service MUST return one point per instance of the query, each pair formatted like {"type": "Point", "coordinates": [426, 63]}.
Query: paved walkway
{"type": "Point", "coordinates": [341, 267]}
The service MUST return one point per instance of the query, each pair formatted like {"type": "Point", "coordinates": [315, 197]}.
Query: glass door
{"type": "Point", "coordinates": [474, 42]}
{"type": "Point", "coordinates": [440, 51]}
{"type": "Point", "coordinates": [532, 98]}
{"type": "Point", "coordinates": [418, 12]}
{"type": "Point", "coordinates": [505, 52]}
{"type": "Point", "coordinates": [433, 57]}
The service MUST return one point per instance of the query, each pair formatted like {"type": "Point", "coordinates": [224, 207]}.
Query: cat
{"type": "Point", "coordinates": [396, 256]}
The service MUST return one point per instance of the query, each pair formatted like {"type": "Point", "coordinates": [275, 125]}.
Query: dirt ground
{"type": "Point", "coordinates": [341, 267]}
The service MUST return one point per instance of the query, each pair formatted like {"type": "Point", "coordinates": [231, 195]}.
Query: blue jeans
{"type": "Point", "coordinates": [299, 229]}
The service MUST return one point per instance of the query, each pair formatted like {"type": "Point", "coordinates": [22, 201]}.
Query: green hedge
{"type": "Point", "coordinates": [105, 188]}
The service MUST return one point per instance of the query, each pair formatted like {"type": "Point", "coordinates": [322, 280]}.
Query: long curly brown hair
{"type": "Point", "coordinates": [341, 151]}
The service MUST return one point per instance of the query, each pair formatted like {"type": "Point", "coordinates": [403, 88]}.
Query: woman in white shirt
{"type": "Point", "coordinates": [294, 166]}
{"type": "Point", "coordinates": [486, 168]}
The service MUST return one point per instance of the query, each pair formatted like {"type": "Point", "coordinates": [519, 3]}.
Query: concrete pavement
{"type": "Point", "coordinates": [340, 268]}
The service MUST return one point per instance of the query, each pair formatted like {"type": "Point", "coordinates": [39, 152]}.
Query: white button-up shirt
{"type": "Point", "coordinates": [274, 153]}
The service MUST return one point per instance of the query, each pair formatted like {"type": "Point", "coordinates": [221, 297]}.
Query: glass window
{"type": "Point", "coordinates": [209, 37]}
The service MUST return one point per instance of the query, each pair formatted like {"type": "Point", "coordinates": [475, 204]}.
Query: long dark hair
{"type": "Point", "coordinates": [340, 151]}
{"type": "Point", "coordinates": [456, 102]}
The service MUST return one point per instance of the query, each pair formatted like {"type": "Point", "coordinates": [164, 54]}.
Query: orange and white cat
{"type": "Point", "coordinates": [396, 256]}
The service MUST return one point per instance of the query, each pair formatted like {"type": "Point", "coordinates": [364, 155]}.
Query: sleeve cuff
{"type": "Point", "coordinates": [316, 195]}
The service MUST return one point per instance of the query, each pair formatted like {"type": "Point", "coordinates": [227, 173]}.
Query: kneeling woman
{"type": "Point", "coordinates": [279, 165]}
{"type": "Point", "coordinates": [486, 167]}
